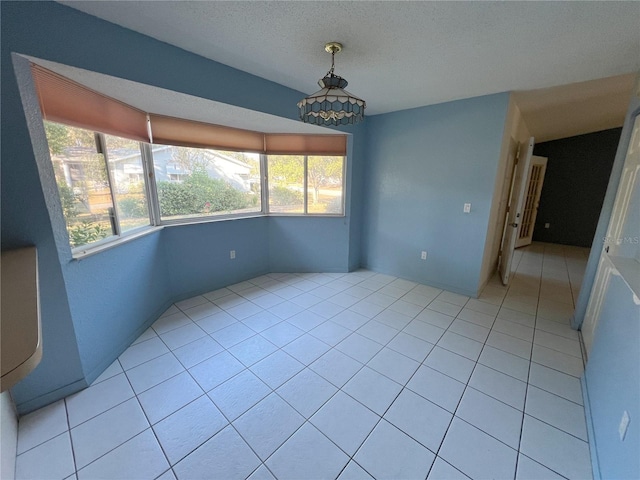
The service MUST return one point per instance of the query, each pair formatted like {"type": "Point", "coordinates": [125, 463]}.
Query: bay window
{"type": "Point", "coordinates": [120, 170]}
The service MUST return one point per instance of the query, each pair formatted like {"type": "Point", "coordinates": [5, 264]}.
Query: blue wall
{"type": "Point", "coordinates": [308, 244]}
{"type": "Point", "coordinates": [113, 296]}
{"type": "Point", "coordinates": [422, 166]}
{"type": "Point", "coordinates": [25, 221]}
{"type": "Point", "coordinates": [357, 170]}
{"type": "Point", "coordinates": [198, 255]}
{"type": "Point", "coordinates": [93, 308]}
{"type": "Point", "coordinates": [329, 244]}
{"type": "Point", "coordinates": [612, 379]}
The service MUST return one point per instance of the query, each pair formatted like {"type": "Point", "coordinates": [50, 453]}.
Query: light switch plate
{"type": "Point", "coordinates": [467, 208]}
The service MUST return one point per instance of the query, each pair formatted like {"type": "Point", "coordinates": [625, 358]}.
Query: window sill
{"type": "Point", "coordinates": [200, 220]}
{"type": "Point", "coordinates": [80, 253]}
{"type": "Point", "coordinates": [308, 215]}
{"type": "Point", "coordinates": [212, 219]}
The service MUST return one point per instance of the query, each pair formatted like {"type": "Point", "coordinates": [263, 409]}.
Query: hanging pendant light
{"type": "Point", "coordinates": [332, 105]}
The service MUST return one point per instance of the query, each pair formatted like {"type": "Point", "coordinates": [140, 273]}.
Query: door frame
{"type": "Point", "coordinates": [523, 161]}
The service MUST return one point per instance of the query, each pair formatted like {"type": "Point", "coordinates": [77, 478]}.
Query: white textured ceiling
{"type": "Point", "coordinates": [575, 109]}
{"type": "Point", "coordinates": [571, 64]}
{"type": "Point", "coordinates": [398, 54]}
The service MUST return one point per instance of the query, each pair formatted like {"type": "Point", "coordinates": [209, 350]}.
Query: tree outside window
{"type": "Point", "coordinates": [323, 187]}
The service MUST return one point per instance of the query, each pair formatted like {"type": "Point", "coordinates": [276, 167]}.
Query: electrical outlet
{"type": "Point", "coordinates": [232, 254]}
{"type": "Point", "coordinates": [547, 225]}
{"type": "Point", "coordinates": [467, 208]}
{"type": "Point", "coordinates": [423, 255]}
{"type": "Point", "coordinates": [624, 424]}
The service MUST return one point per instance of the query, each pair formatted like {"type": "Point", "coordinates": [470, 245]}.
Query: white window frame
{"type": "Point", "coordinates": [305, 212]}
{"type": "Point", "coordinates": [155, 220]}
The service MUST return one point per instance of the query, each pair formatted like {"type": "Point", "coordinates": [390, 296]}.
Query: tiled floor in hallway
{"type": "Point", "coordinates": [348, 376]}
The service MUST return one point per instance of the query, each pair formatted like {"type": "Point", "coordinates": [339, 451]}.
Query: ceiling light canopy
{"type": "Point", "coordinates": [332, 105]}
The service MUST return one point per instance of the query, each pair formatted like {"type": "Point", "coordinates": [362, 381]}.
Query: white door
{"type": "Point", "coordinates": [532, 200]}
{"type": "Point", "coordinates": [623, 209]}
{"type": "Point", "coordinates": [516, 205]}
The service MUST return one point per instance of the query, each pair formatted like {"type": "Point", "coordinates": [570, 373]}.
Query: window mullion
{"type": "Point", "coordinates": [151, 189]}
{"type": "Point", "coordinates": [102, 146]}
{"type": "Point", "coordinates": [344, 185]}
{"type": "Point", "coordinates": [306, 186]}
{"type": "Point", "coordinates": [264, 183]}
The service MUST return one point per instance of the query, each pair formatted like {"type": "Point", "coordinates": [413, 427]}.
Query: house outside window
{"type": "Point", "coordinates": [99, 196]}
{"type": "Point", "coordinates": [198, 182]}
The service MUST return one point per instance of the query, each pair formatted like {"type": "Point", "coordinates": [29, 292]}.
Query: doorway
{"type": "Point", "coordinates": [533, 191]}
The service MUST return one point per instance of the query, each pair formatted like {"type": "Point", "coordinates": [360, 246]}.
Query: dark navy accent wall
{"type": "Point", "coordinates": [422, 166]}
{"type": "Point", "coordinates": [575, 183]}
{"type": "Point", "coordinates": [93, 308]}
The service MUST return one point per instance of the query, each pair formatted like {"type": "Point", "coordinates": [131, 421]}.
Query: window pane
{"type": "Point", "coordinates": [196, 182]}
{"type": "Point", "coordinates": [83, 183]}
{"type": "Point", "coordinates": [286, 183]}
{"type": "Point", "coordinates": [324, 183]}
{"type": "Point", "coordinates": [127, 175]}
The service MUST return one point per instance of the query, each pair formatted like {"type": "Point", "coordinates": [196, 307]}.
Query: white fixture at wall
{"type": "Point", "coordinates": [21, 331]}
{"type": "Point", "coordinates": [232, 254]}
{"type": "Point", "coordinates": [423, 255]}
{"type": "Point", "coordinates": [624, 424]}
{"type": "Point", "coordinates": [467, 208]}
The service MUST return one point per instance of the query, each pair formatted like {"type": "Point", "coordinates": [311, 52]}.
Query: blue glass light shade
{"type": "Point", "coordinates": [332, 105]}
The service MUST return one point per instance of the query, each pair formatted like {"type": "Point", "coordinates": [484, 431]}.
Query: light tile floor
{"type": "Point", "coordinates": [348, 376]}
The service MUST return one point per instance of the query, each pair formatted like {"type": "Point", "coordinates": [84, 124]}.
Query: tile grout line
{"type": "Point", "coordinates": [524, 406]}
{"type": "Point", "coordinates": [230, 423]}
{"type": "Point", "coordinates": [226, 349]}
{"type": "Point", "coordinates": [145, 413]}
{"type": "Point", "coordinates": [125, 441]}
{"type": "Point", "coordinates": [73, 451]}
{"type": "Point", "coordinates": [333, 347]}
{"type": "Point", "coordinates": [453, 416]}
{"type": "Point", "coordinates": [468, 386]}
{"type": "Point", "coordinates": [350, 457]}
